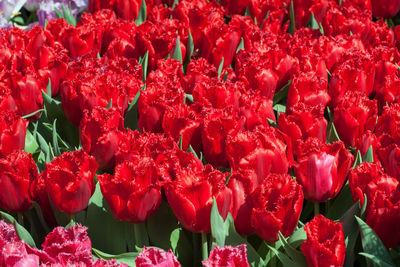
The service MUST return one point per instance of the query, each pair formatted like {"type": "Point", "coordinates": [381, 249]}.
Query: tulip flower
{"type": "Point", "coordinates": [154, 257]}
{"type": "Point", "coordinates": [325, 244]}
{"type": "Point", "coordinates": [383, 200]}
{"type": "Point", "coordinates": [69, 181]}
{"type": "Point", "coordinates": [322, 169]}
{"type": "Point", "coordinates": [227, 256]}
{"type": "Point", "coordinates": [354, 115]}
{"type": "Point", "coordinates": [277, 204]}
{"type": "Point", "coordinates": [132, 193]}
{"type": "Point", "coordinates": [12, 132]}
{"type": "Point", "coordinates": [100, 133]}
{"type": "Point", "coordinates": [191, 197]}
{"type": "Point", "coordinates": [17, 170]}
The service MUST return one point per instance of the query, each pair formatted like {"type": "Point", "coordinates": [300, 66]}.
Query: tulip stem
{"type": "Point", "coordinates": [138, 241]}
{"type": "Point", "coordinates": [204, 246]}
{"type": "Point", "coordinates": [20, 218]}
{"type": "Point", "coordinates": [196, 249]}
{"type": "Point", "coordinates": [71, 220]}
{"type": "Point", "coordinates": [316, 208]}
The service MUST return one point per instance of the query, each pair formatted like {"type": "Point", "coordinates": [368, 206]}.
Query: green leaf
{"type": "Point", "coordinates": [180, 142]}
{"type": "Point", "coordinates": [351, 232]}
{"type": "Point", "coordinates": [48, 88]}
{"type": "Point", "coordinates": [43, 145]}
{"type": "Point", "coordinates": [189, 97]}
{"type": "Point", "coordinates": [297, 237]}
{"type": "Point", "coordinates": [293, 253]}
{"type": "Point", "coordinates": [49, 127]}
{"type": "Point", "coordinates": [174, 4]}
{"type": "Point", "coordinates": [69, 17]}
{"type": "Point", "coordinates": [369, 155]}
{"type": "Point", "coordinates": [98, 56]}
{"type": "Point", "coordinates": [377, 261]}
{"type": "Point", "coordinates": [134, 101]}
{"type": "Point", "coordinates": [285, 260]}
{"type": "Point", "coordinates": [178, 52]}
{"type": "Point", "coordinates": [109, 105]}
{"type": "Point", "coordinates": [41, 219]}
{"type": "Point", "coordinates": [18, 20]}
{"type": "Point", "coordinates": [55, 141]}
{"type": "Point", "coordinates": [241, 45]}
{"type": "Point", "coordinates": [164, 231]}
{"type": "Point", "coordinates": [30, 143]}
{"type": "Point", "coordinates": [341, 203]}
{"type": "Point", "coordinates": [217, 225]}
{"type": "Point", "coordinates": [272, 123]}
{"type": "Point", "coordinates": [292, 26]}
{"type": "Point", "coordinates": [247, 12]}
{"type": "Point", "coordinates": [22, 233]}
{"type": "Point", "coordinates": [313, 22]}
{"type": "Point", "coordinates": [332, 135]}
{"type": "Point", "coordinates": [127, 258]}
{"type": "Point", "coordinates": [279, 108]}
{"type": "Point", "coordinates": [58, 13]}
{"type": "Point", "coordinates": [281, 94]}
{"type": "Point", "coordinates": [190, 149]}
{"type": "Point", "coordinates": [144, 62]}
{"type": "Point", "coordinates": [234, 239]}
{"type": "Point", "coordinates": [118, 236]}
{"type": "Point", "coordinates": [190, 48]}
{"type": "Point", "coordinates": [372, 244]}
{"type": "Point", "coordinates": [221, 66]}
{"type": "Point", "coordinates": [364, 206]}
{"type": "Point", "coordinates": [225, 76]}
{"type": "Point", "coordinates": [131, 116]}
{"type": "Point", "coordinates": [53, 107]}
{"type": "Point", "coordinates": [32, 114]}
{"type": "Point", "coordinates": [174, 239]}
{"type": "Point", "coordinates": [142, 14]}
{"type": "Point", "coordinates": [321, 29]}
{"type": "Point", "coordinates": [358, 160]}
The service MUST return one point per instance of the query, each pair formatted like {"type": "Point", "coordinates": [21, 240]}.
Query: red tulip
{"type": "Point", "coordinates": [242, 182]}
{"type": "Point", "coordinates": [354, 115]}
{"type": "Point", "coordinates": [301, 122]}
{"type": "Point", "coordinates": [383, 200]}
{"type": "Point", "coordinates": [322, 169]}
{"type": "Point", "coordinates": [325, 244]}
{"type": "Point", "coordinates": [277, 202]}
{"type": "Point", "coordinates": [386, 11]}
{"type": "Point", "coordinates": [180, 120]}
{"type": "Point", "coordinates": [69, 180]}
{"type": "Point", "coordinates": [387, 131]}
{"type": "Point", "coordinates": [69, 246]}
{"type": "Point", "coordinates": [227, 256]}
{"type": "Point", "coordinates": [101, 131]}
{"type": "Point", "coordinates": [126, 9]}
{"type": "Point", "coordinates": [12, 132]}
{"type": "Point", "coordinates": [17, 171]}
{"type": "Point", "coordinates": [265, 150]}
{"type": "Point", "coordinates": [133, 192]}
{"type": "Point", "coordinates": [191, 197]}
{"type": "Point", "coordinates": [156, 257]}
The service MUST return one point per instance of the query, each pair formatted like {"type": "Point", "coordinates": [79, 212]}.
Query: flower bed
{"type": "Point", "coordinates": [214, 133]}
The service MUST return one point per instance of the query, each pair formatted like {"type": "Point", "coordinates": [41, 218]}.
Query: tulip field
{"type": "Point", "coordinates": [200, 133]}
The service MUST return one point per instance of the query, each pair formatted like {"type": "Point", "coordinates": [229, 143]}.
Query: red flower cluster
{"type": "Point", "coordinates": [62, 247]}
{"type": "Point", "coordinates": [383, 200]}
{"type": "Point", "coordinates": [222, 80]}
